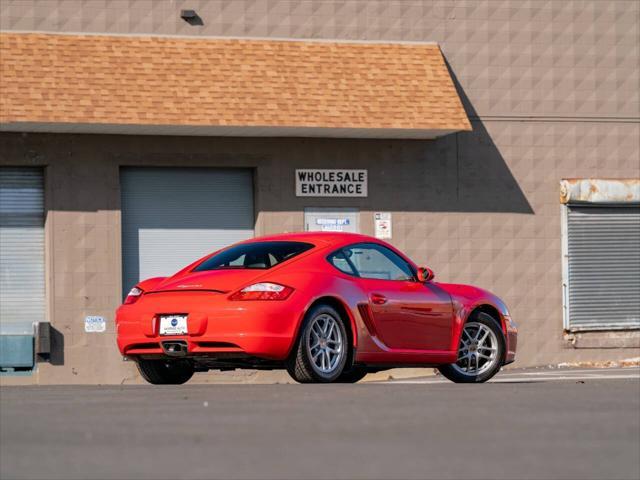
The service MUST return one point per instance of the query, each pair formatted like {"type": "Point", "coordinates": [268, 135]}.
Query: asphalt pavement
{"type": "Point", "coordinates": [534, 424]}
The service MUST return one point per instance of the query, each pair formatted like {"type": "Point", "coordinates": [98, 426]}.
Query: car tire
{"type": "Point", "coordinates": [353, 375]}
{"type": "Point", "coordinates": [313, 347]}
{"type": "Point", "coordinates": [165, 372]}
{"type": "Point", "coordinates": [483, 323]}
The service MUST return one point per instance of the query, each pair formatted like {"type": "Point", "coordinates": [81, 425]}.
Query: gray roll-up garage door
{"type": "Point", "coordinates": [173, 216]}
{"type": "Point", "coordinates": [603, 267]}
{"type": "Point", "coordinates": [22, 290]}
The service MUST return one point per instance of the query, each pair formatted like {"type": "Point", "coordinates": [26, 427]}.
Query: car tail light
{"type": "Point", "coordinates": [133, 296]}
{"type": "Point", "coordinates": [263, 291]}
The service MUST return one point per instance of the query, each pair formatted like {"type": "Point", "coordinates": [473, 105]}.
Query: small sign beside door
{"type": "Point", "coordinates": [382, 222]}
{"type": "Point", "coordinates": [332, 224]}
{"type": "Point", "coordinates": [312, 182]}
{"type": "Point", "coordinates": [94, 324]}
{"type": "Point", "coordinates": [330, 219]}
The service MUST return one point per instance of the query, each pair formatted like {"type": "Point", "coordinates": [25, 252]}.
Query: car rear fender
{"type": "Point", "coordinates": [326, 290]}
{"type": "Point", "coordinates": [340, 305]}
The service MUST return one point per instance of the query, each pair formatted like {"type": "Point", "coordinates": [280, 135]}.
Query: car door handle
{"type": "Point", "coordinates": [378, 299]}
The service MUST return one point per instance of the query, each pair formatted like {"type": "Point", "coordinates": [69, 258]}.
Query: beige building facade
{"type": "Point", "coordinates": [550, 90]}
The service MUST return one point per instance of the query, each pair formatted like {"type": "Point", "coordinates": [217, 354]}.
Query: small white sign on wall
{"type": "Point", "coordinates": [333, 224]}
{"type": "Point", "coordinates": [331, 219]}
{"type": "Point", "coordinates": [382, 222]}
{"type": "Point", "coordinates": [312, 182]}
{"type": "Point", "coordinates": [94, 324]}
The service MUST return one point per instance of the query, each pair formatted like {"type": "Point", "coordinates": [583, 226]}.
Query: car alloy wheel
{"type": "Point", "coordinates": [478, 350]}
{"type": "Point", "coordinates": [325, 344]}
{"type": "Point", "coordinates": [322, 347]}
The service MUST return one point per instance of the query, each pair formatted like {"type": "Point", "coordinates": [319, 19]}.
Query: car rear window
{"type": "Point", "coordinates": [258, 255]}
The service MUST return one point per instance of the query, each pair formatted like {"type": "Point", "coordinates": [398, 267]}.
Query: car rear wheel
{"type": "Point", "coordinates": [165, 372]}
{"type": "Point", "coordinates": [320, 353]}
{"type": "Point", "coordinates": [480, 351]}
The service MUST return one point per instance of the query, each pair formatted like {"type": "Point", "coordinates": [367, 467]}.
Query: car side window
{"type": "Point", "coordinates": [237, 261]}
{"type": "Point", "coordinates": [375, 261]}
{"type": "Point", "coordinates": [338, 260]}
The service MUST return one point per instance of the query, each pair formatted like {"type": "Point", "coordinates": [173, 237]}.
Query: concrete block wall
{"type": "Point", "coordinates": [475, 211]}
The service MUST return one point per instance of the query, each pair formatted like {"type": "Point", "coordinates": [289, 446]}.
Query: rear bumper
{"type": "Point", "coordinates": [273, 348]}
{"type": "Point", "coordinates": [258, 329]}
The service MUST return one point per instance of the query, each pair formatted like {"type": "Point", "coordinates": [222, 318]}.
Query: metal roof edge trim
{"type": "Point", "coordinates": [224, 131]}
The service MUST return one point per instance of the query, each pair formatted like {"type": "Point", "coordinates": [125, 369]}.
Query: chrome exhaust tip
{"type": "Point", "coordinates": [176, 348]}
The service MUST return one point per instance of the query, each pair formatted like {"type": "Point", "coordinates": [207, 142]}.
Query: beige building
{"type": "Point", "coordinates": [136, 136]}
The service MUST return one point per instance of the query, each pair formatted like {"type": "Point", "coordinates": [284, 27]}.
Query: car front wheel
{"type": "Point", "coordinates": [320, 353]}
{"type": "Point", "coordinates": [165, 372]}
{"type": "Point", "coordinates": [480, 351]}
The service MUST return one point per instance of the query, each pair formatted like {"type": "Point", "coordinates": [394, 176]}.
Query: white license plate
{"type": "Point", "coordinates": [173, 324]}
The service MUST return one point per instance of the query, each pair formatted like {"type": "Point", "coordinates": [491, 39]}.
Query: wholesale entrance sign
{"type": "Point", "coordinates": [331, 183]}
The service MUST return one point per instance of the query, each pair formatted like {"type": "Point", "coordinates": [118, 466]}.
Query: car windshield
{"type": "Point", "coordinates": [258, 255]}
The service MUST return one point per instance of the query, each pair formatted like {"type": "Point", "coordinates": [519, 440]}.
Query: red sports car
{"type": "Point", "coordinates": [328, 307]}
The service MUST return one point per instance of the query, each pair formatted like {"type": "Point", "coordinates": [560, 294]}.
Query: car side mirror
{"type": "Point", "coordinates": [425, 274]}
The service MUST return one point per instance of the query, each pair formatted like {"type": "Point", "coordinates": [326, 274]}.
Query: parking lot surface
{"type": "Point", "coordinates": [525, 424]}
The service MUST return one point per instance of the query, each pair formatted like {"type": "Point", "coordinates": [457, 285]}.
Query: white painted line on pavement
{"type": "Point", "coordinates": [515, 379]}
{"type": "Point", "coordinates": [555, 378]}
{"type": "Point", "coordinates": [599, 371]}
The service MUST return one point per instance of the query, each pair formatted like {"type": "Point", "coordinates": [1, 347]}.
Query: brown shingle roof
{"type": "Point", "coordinates": [132, 80]}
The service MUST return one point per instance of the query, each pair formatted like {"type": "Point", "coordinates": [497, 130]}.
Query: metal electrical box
{"type": "Point", "coordinates": [16, 348]}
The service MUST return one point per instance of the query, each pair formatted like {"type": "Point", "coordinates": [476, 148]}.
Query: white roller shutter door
{"type": "Point", "coordinates": [22, 281]}
{"type": "Point", "coordinates": [603, 246]}
{"type": "Point", "coordinates": [173, 216]}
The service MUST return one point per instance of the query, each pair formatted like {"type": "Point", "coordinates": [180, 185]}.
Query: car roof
{"type": "Point", "coordinates": [330, 238]}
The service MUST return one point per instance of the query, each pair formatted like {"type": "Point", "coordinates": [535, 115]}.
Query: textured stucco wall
{"type": "Point", "coordinates": [474, 213]}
